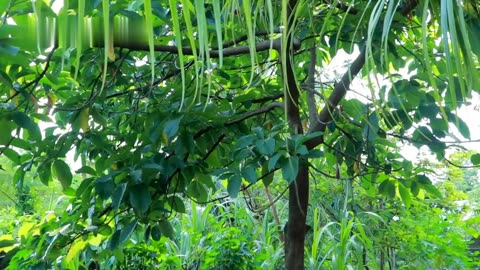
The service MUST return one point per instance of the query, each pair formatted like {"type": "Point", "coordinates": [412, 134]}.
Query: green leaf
{"type": "Point", "coordinates": [172, 126]}
{"type": "Point", "coordinates": [166, 228]}
{"type": "Point", "coordinates": [176, 203]}
{"type": "Point", "coordinates": [6, 131]}
{"type": "Point", "coordinates": [415, 188]}
{"type": "Point", "coordinates": [12, 155]}
{"type": "Point", "coordinates": [234, 184]}
{"type": "Point", "coordinates": [422, 179]}
{"type": "Point", "coordinates": [140, 198]}
{"type": "Point", "coordinates": [267, 176]}
{"type": "Point", "coordinates": [475, 159]}
{"type": "Point", "coordinates": [114, 240]}
{"type": "Point", "coordinates": [156, 232]}
{"type": "Point", "coordinates": [75, 249]}
{"type": "Point", "coordinates": [4, 4]}
{"type": "Point", "coordinates": [104, 186]}
{"type": "Point", "coordinates": [127, 231]}
{"type": "Point", "coordinates": [463, 128]}
{"type": "Point", "coordinates": [290, 168]}
{"type": "Point", "coordinates": [63, 173]}
{"type": "Point", "coordinates": [432, 190]}
{"type": "Point", "coordinates": [84, 185]}
{"type": "Point", "coordinates": [197, 190]}
{"type": "Point", "coordinates": [266, 147]}
{"type": "Point", "coordinates": [272, 162]}
{"type": "Point", "coordinates": [387, 188]}
{"type": "Point", "coordinates": [86, 170]}
{"type": "Point", "coordinates": [117, 195]}
{"type": "Point", "coordinates": [405, 195]}
{"type": "Point", "coordinates": [44, 172]}
{"type": "Point", "coordinates": [25, 122]}
{"type": "Point", "coordinates": [250, 174]}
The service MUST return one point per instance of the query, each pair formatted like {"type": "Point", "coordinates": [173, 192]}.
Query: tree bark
{"type": "Point", "coordinates": [295, 228]}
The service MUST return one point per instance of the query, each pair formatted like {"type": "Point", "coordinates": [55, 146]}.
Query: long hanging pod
{"type": "Point", "coordinates": [149, 25]}
{"type": "Point", "coordinates": [178, 41]}
{"type": "Point", "coordinates": [106, 40]}
{"type": "Point", "coordinates": [80, 36]}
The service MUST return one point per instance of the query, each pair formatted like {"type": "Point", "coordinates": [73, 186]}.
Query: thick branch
{"type": "Point", "coordinates": [240, 50]}
{"type": "Point", "coordinates": [339, 91]}
{"type": "Point", "coordinates": [341, 88]}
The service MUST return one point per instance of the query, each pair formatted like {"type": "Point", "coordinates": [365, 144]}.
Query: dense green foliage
{"type": "Point", "coordinates": [151, 136]}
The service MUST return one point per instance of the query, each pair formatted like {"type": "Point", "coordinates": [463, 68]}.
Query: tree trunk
{"type": "Point", "coordinates": [297, 213]}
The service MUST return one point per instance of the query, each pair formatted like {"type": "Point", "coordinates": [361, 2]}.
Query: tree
{"type": "Point", "coordinates": [163, 100]}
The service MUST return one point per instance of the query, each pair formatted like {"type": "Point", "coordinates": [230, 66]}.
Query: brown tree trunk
{"type": "Point", "coordinates": [298, 190]}
{"type": "Point", "coordinates": [297, 213]}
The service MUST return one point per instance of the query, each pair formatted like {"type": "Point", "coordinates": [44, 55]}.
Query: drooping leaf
{"type": "Point", "coordinates": [290, 168]}
{"type": "Point", "coordinates": [25, 122]}
{"type": "Point", "coordinates": [234, 184]}
{"type": "Point", "coordinates": [405, 195]}
{"type": "Point", "coordinates": [127, 231]}
{"type": "Point", "coordinates": [177, 204]}
{"type": "Point", "coordinates": [140, 198]}
{"type": "Point", "coordinates": [166, 228]}
{"type": "Point", "coordinates": [63, 173]}
{"type": "Point", "coordinates": [250, 174]}
{"type": "Point", "coordinates": [156, 232]}
{"type": "Point", "coordinates": [432, 190]}
{"type": "Point", "coordinates": [114, 240]}
{"type": "Point", "coordinates": [171, 127]}
{"type": "Point", "coordinates": [117, 196]}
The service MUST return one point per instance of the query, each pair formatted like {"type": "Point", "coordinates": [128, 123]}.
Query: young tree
{"type": "Point", "coordinates": [163, 100]}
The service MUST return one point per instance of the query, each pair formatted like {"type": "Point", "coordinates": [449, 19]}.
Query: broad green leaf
{"type": "Point", "coordinates": [44, 172]}
{"type": "Point", "coordinates": [234, 184]}
{"type": "Point", "coordinates": [475, 159]}
{"type": "Point", "coordinates": [6, 131]}
{"type": "Point", "coordinates": [250, 174]}
{"type": "Point", "coordinates": [140, 198]}
{"type": "Point", "coordinates": [25, 122]}
{"type": "Point", "coordinates": [387, 188]}
{"type": "Point", "coordinates": [127, 231]}
{"type": "Point", "coordinates": [12, 155]}
{"type": "Point", "coordinates": [156, 233]}
{"type": "Point", "coordinates": [197, 190]}
{"type": "Point", "coordinates": [166, 228]}
{"type": "Point", "coordinates": [75, 249]}
{"type": "Point", "coordinates": [84, 185]}
{"type": "Point", "coordinates": [266, 146]}
{"type": "Point", "coordinates": [171, 127]}
{"type": "Point", "coordinates": [86, 170]}
{"type": "Point", "coordinates": [405, 195]}
{"type": "Point", "coordinates": [104, 186]}
{"type": "Point", "coordinates": [3, 6]}
{"type": "Point", "coordinates": [290, 168]}
{"type": "Point", "coordinates": [267, 176]}
{"type": "Point", "coordinates": [114, 240]}
{"type": "Point", "coordinates": [432, 190]}
{"type": "Point", "coordinates": [422, 179]}
{"type": "Point", "coordinates": [176, 203]}
{"type": "Point", "coordinates": [117, 196]}
{"type": "Point", "coordinates": [63, 173]}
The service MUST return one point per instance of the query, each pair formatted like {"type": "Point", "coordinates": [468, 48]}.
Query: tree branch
{"type": "Point", "coordinates": [255, 112]}
{"type": "Point", "coordinates": [275, 44]}
{"type": "Point", "coordinates": [340, 89]}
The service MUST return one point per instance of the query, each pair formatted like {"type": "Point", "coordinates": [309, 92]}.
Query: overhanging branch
{"type": "Point", "coordinates": [234, 51]}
